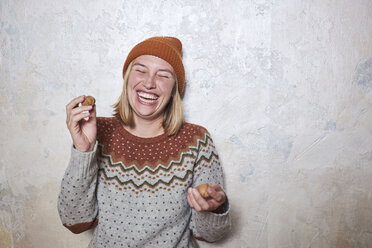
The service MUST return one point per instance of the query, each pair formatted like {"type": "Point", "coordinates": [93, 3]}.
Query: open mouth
{"type": "Point", "coordinates": [147, 98]}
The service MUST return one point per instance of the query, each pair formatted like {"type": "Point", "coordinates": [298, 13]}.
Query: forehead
{"type": "Point", "coordinates": [153, 62]}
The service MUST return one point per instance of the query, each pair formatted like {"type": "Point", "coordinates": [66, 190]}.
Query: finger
{"type": "Point", "coordinates": [216, 187]}
{"type": "Point", "coordinates": [217, 196]}
{"type": "Point", "coordinates": [200, 200]}
{"type": "Point", "coordinates": [74, 102]}
{"type": "Point", "coordinates": [194, 202]}
{"type": "Point", "coordinates": [188, 198]}
{"type": "Point", "coordinates": [80, 109]}
{"type": "Point", "coordinates": [71, 105]}
{"type": "Point", "coordinates": [93, 113]}
{"type": "Point", "coordinates": [91, 118]}
{"type": "Point", "coordinates": [216, 192]}
{"type": "Point", "coordinates": [71, 116]}
{"type": "Point", "coordinates": [74, 120]}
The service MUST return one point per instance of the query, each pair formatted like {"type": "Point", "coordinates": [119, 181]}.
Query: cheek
{"type": "Point", "coordinates": [133, 81]}
{"type": "Point", "coordinates": [131, 92]}
{"type": "Point", "coordinates": [167, 88]}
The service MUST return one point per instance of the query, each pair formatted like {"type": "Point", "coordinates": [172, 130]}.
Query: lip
{"type": "Point", "coordinates": [147, 98]}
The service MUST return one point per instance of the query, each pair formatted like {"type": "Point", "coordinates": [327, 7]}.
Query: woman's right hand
{"type": "Point", "coordinates": [83, 132]}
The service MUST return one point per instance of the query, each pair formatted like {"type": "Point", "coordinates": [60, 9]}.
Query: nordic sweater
{"type": "Point", "coordinates": [134, 190]}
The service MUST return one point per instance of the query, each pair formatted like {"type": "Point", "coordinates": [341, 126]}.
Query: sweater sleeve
{"type": "Point", "coordinates": [209, 226]}
{"type": "Point", "coordinates": [77, 202]}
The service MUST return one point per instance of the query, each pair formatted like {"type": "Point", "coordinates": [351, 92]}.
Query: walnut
{"type": "Point", "coordinates": [89, 100]}
{"type": "Point", "coordinates": [202, 188]}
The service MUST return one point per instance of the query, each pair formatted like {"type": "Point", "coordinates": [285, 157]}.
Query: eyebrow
{"type": "Point", "coordinates": [139, 64]}
{"type": "Point", "coordinates": [165, 70]}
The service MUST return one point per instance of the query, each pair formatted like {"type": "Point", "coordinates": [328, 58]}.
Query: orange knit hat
{"type": "Point", "coordinates": [167, 48]}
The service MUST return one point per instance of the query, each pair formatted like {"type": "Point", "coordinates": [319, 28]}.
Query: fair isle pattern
{"type": "Point", "coordinates": [192, 153]}
{"type": "Point", "coordinates": [199, 152]}
{"type": "Point", "coordinates": [132, 150]}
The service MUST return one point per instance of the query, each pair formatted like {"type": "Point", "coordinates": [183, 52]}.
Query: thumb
{"type": "Point", "coordinates": [216, 192]}
{"type": "Point", "coordinates": [93, 112]}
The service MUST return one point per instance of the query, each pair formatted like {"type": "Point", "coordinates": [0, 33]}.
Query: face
{"type": "Point", "coordinates": [150, 84]}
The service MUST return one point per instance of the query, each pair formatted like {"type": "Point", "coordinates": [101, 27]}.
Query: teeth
{"type": "Point", "coordinates": [146, 96]}
{"type": "Point", "coordinates": [146, 100]}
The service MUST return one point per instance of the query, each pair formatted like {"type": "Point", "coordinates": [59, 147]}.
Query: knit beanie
{"type": "Point", "coordinates": [167, 48]}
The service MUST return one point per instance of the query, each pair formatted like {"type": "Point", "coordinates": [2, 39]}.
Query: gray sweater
{"type": "Point", "coordinates": [133, 190]}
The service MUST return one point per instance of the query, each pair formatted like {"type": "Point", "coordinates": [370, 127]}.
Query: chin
{"type": "Point", "coordinates": [148, 115]}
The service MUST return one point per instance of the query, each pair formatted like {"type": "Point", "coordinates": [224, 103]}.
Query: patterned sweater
{"type": "Point", "coordinates": [134, 190]}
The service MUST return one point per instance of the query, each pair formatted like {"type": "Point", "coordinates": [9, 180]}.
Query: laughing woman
{"type": "Point", "coordinates": [134, 176]}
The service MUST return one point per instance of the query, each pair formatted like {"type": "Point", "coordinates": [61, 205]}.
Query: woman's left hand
{"type": "Point", "coordinates": [216, 198]}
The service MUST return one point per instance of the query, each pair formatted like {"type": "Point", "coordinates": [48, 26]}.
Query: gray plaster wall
{"type": "Point", "coordinates": [284, 87]}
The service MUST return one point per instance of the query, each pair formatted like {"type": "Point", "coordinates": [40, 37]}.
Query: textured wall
{"type": "Point", "coordinates": [283, 86]}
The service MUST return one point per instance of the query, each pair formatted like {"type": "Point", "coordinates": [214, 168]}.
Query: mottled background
{"type": "Point", "coordinates": [284, 87]}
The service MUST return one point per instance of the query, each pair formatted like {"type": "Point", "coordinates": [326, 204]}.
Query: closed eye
{"type": "Point", "coordinates": [165, 73]}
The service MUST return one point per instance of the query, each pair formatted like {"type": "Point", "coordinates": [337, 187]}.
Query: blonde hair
{"type": "Point", "coordinates": [173, 117]}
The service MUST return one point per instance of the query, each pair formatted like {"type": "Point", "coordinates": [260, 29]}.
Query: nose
{"type": "Point", "coordinates": [150, 82]}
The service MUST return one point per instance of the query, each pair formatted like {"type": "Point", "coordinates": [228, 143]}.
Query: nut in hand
{"type": "Point", "coordinates": [203, 190]}
{"type": "Point", "coordinates": [89, 100]}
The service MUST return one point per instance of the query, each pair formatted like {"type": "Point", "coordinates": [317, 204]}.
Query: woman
{"type": "Point", "coordinates": [133, 176]}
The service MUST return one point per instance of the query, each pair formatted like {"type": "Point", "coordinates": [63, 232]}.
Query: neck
{"type": "Point", "coordinates": [146, 128]}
